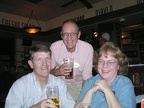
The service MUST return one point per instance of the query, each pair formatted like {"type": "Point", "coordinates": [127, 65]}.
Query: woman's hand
{"type": "Point", "coordinates": [102, 85]}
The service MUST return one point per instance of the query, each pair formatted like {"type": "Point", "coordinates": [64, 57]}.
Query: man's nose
{"type": "Point", "coordinates": [44, 62]}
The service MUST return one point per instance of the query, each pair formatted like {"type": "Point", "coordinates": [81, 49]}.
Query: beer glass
{"type": "Point", "coordinates": [85, 105]}
{"type": "Point", "coordinates": [70, 62]}
{"type": "Point", "coordinates": [53, 94]}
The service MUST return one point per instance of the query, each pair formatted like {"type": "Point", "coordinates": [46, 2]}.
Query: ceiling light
{"type": "Point", "coordinates": [30, 28]}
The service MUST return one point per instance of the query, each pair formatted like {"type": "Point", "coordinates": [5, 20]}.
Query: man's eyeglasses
{"type": "Point", "coordinates": [65, 35]}
{"type": "Point", "coordinates": [109, 62]}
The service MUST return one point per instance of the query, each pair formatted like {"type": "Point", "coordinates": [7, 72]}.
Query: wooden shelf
{"type": "Point", "coordinates": [136, 74]}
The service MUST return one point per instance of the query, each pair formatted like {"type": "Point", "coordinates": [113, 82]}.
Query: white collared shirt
{"type": "Point", "coordinates": [26, 92]}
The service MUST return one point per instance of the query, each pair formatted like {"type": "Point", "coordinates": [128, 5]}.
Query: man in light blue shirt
{"type": "Point", "coordinates": [30, 90]}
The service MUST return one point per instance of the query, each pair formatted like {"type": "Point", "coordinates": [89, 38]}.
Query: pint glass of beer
{"type": "Point", "coordinates": [53, 94]}
{"type": "Point", "coordinates": [85, 105]}
{"type": "Point", "coordinates": [70, 63]}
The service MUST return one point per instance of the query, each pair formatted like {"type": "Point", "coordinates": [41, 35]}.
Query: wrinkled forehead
{"type": "Point", "coordinates": [41, 53]}
{"type": "Point", "coordinates": [70, 25]}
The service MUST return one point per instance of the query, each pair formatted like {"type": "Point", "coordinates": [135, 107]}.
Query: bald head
{"type": "Point", "coordinates": [71, 22]}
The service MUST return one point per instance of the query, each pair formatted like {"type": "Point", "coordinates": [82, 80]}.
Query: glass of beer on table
{"type": "Point", "coordinates": [70, 63]}
{"type": "Point", "coordinates": [85, 105]}
{"type": "Point", "coordinates": [53, 94]}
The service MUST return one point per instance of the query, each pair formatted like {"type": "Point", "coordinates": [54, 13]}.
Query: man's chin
{"type": "Point", "coordinates": [45, 75]}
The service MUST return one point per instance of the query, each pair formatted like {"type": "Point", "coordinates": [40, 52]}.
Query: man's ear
{"type": "Point", "coordinates": [79, 34]}
{"type": "Point", "coordinates": [30, 63]}
{"type": "Point", "coordinates": [61, 34]}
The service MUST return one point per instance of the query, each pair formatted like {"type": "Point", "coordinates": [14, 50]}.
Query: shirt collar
{"type": "Point", "coordinates": [34, 78]}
